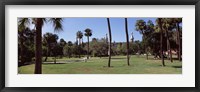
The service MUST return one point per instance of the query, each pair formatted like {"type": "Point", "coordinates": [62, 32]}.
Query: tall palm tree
{"type": "Point", "coordinates": [110, 42]}
{"type": "Point", "coordinates": [159, 21]}
{"type": "Point", "coordinates": [39, 22]}
{"type": "Point", "coordinates": [79, 36]}
{"type": "Point", "coordinates": [167, 22]}
{"type": "Point", "coordinates": [127, 40]}
{"type": "Point", "coordinates": [88, 33]}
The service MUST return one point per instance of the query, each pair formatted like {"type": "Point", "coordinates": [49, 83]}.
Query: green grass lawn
{"type": "Point", "coordinates": [96, 65]}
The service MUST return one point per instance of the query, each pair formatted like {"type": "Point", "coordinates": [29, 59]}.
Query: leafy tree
{"type": "Point", "coordinates": [99, 47]}
{"type": "Point", "coordinates": [62, 43]}
{"type": "Point", "coordinates": [119, 49]}
{"type": "Point", "coordinates": [23, 24]}
{"type": "Point", "coordinates": [142, 28]}
{"type": "Point", "coordinates": [56, 50]}
{"type": "Point", "coordinates": [68, 49]}
{"type": "Point", "coordinates": [26, 46]}
{"type": "Point", "coordinates": [49, 40]}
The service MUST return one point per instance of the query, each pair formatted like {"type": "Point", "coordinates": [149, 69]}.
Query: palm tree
{"type": "Point", "coordinates": [161, 40]}
{"type": "Point", "coordinates": [177, 21]}
{"type": "Point", "coordinates": [23, 24]}
{"type": "Point", "coordinates": [62, 43]}
{"type": "Point", "coordinates": [88, 33]}
{"type": "Point", "coordinates": [79, 36]}
{"type": "Point", "coordinates": [167, 23]}
{"type": "Point", "coordinates": [49, 38]}
{"type": "Point", "coordinates": [142, 28]}
{"type": "Point", "coordinates": [69, 45]}
{"type": "Point", "coordinates": [39, 22]}
{"type": "Point", "coordinates": [127, 40]}
{"type": "Point", "coordinates": [110, 41]}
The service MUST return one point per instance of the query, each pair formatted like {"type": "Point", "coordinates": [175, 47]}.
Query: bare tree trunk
{"type": "Point", "coordinates": [168, 55]}
{"type": "Point", "coordinates": [169, 46]}
{"type": "Point", "coordinates": [179, 42]}
{"type": "Point", "coordinates": [22, 48]}
{"type": "Point", "coordinates": [127, 41]}
{"type": "Point", "coordinates": [147, 54]}
{"type": "Point", "coordinates": [110, 39]}
{"type": "Point", "coordinates": [38, 46]}
{"type": "Point", "coordinates": [79, 46]}
{"type": "Point", "coordinates": [161, 42]}
{"type": "Point", "coordinates": [82, 42]}
{"type": "Point", "coordinates": [88, 48]}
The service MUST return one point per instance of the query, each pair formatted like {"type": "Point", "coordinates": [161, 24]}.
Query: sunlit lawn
{"type": "Point", "coordinates": [96, 65]}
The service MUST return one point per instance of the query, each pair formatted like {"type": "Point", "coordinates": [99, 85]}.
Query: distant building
{"type": "Point", "coordinates": [132, 38]}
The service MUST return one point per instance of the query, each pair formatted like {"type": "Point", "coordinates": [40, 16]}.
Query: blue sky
{"type": "Point", "coordinates": [99, 28]}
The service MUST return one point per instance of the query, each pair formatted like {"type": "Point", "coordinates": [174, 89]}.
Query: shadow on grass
{"type": "Point", "coordinates": [25, 64]}
{"type": "Point", "coordinates": [177, 66]}
{"type": "Point", "coordinates": [119, 66]}
{"type": "Point", "coordinates": [171, 66]}
{"type": "Point", "coordinates": [117, 58]}
{"type": "Point", "coordinates": [52, 63]}
{"type": "Point", "coordinates": [113, 58]}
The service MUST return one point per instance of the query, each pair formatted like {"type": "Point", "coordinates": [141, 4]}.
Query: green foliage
{"type": "Point", "coordinates": [99, 48]}
{"type": "Point", "coordinates": [68, 50]}
{"type": "Point", "coordinates": [26, 39]}
{"type": "Point", "coordinates": [49, 41]}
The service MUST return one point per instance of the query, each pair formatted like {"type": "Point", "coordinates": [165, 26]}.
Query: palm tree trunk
{"type": "Point", "coordinates": [161, 42]}
{"type": "Point", "coordinates": [79, 46]}
{"type": "Point", "coordinates": [81, 42]}
{"type": "Point", "coordinates": [76, 41]}
{"type": "Point", "coordinates": [168, 50]}
{"type": "Point", "coordinates": [144, 39]}
{"type": "Point", "coordinates": [22, 48]}
{"type": "Point", "coordinates": [38, 46]}
{"type": "Point", "coordinates": [169, 46]}
{"type": "Point", "coordinates": [110, 39]}
{"type": "Point", "coordinates": [127, 41]}
{"type": "Point", "coordinates": [179, 42]}
{"type": "Point", "coordinates": [146, 53]}
{"type": "Point", "coordinates": [88, 48]}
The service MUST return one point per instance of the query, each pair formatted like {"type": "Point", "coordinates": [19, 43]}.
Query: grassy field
{"type": "Point", "coordinates": [96, 65]}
